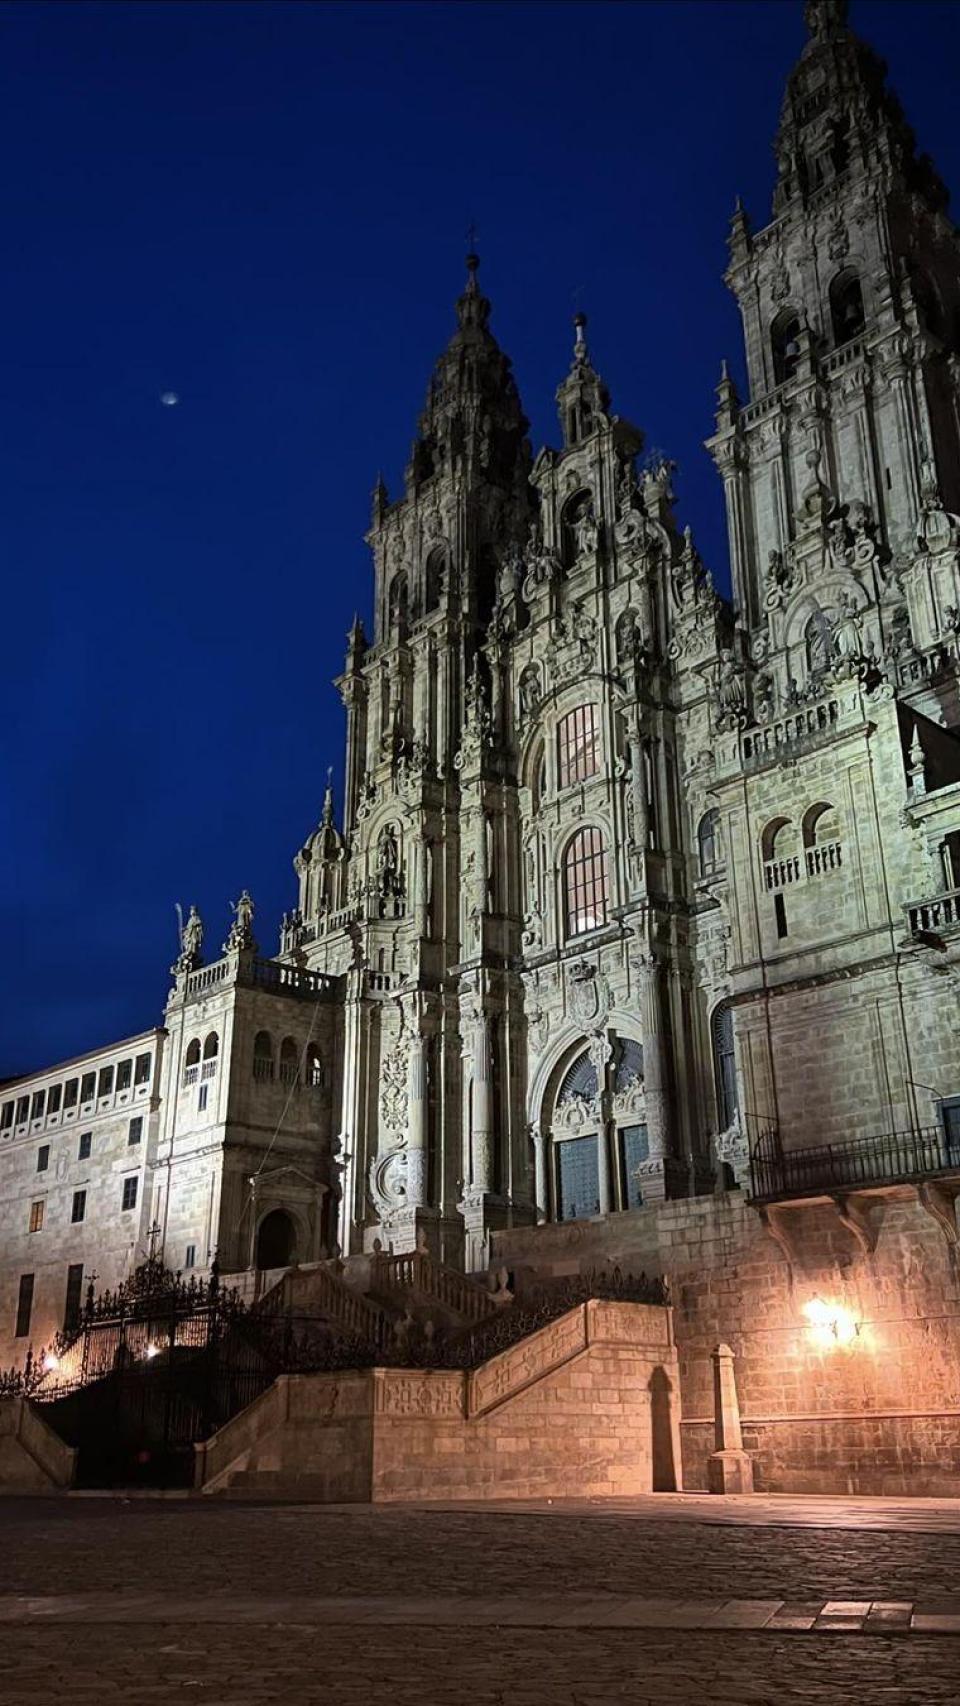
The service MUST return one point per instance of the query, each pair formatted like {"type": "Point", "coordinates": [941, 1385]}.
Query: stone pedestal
{"type": "Point", "coordinates": [729, 1467]}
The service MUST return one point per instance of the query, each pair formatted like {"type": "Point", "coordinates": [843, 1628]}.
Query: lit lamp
{"type": "Point", "coordinates": [831, 1324]}
{"type": "Point", "coordinates": [152, 1351]}
{"type": "Point", "coordinates": [50, 1362]}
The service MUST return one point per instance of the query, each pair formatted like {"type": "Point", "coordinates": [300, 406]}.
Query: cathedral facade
{"type": "Point", "coordinates": [638, 892]}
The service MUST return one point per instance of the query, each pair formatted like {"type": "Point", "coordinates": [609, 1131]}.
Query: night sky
{"type": "Point", "coordinates": [263, 208]}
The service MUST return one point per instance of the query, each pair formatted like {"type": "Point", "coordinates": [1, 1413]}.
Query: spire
{"type": "Point", "coordinates": [327, 815]}
{"type": "Point", "coordinates": [583, 399]}
{"type": "Point", "coordinates": [838, 114]}
{"type": "Point", "coordinates": [473, 423]}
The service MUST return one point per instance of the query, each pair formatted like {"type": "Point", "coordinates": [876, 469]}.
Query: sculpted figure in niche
{"type": "Point", "coordinates": [731, 694]}
{"type": "Point", "coordinates": [585, 529]}
{"type": "Point", "coordinates": [847, 644]}
{"type": "Point", "coordinates": [529, 693]}
{"type": "Point", "coordinates": [388, 861]}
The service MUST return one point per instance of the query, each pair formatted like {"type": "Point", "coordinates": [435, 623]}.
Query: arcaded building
{"type": "Point", "coordinates": [638, 892]}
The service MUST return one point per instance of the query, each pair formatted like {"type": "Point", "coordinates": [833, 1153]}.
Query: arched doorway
{"type": "Point", "coordinates": [276, 1240]}
{"type": "Point", "coordinates": [599, 1135]}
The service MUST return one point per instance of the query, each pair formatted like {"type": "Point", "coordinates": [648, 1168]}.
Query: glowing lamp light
{"type": "Point", "coordinates": [50, 1362]}
{"type": "Point", "coordinates": [831, 1324]}
{"type": "Point", "coordinates": [152, 1351]}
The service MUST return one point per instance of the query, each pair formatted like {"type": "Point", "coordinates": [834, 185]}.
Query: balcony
{"type": "Point", "coordinates": [937, 917]}
{"type": "Point", "coordinates": [861, 1164]}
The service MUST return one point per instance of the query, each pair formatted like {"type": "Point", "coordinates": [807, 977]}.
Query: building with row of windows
{"type": "Point", "coordinates": [636, 888]}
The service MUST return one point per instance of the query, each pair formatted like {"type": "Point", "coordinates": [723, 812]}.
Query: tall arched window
{"type": "Point", "coordinates": [193, 1052]}
{"type": "Point", "coordinates": [434, 577]}
{"type": "Point", "coordinates": [725, 1067]}
{"type": "Point", "coordinates": [289, 1061]}
{"type": "Point", "coordinates": [263, 1055]}
{"type": "Point", "coordinates": [578, 745]}
{"type": "Point", "coordinates": [585, 883]}
{"type": "Point", "coordinates": [709, 843]}
{"type": "Point", "coordinates": [785, 345]}
{"type": "Point", "coordinates": [211, 1046]}
{"type": "Point", "coordinates": [846, 307]}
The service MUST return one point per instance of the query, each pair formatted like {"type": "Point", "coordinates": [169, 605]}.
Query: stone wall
{"type": "Point", "coordinates": [873, 1407]}
{"type": "Point", "coordinates": [585, 1406]}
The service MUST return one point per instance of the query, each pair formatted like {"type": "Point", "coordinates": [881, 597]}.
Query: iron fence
{"type": "Point", "coordinates": [884, 1159]}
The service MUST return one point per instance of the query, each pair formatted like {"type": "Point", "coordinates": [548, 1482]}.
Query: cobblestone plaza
{"type": "Point", "coordinates": [143, 1600]}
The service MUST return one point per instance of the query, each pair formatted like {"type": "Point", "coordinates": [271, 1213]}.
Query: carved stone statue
{"type": "Point", "coordinates": [241, 937]}
{"type": "Point", "coordinates": [847, 641]}
{"type": "Point", "coordinates": [585, 530]}
{"type": "Point", "coordinates": [191, 944]}
{"type": "Point", "coordinates": [529, 693]}
{"type": "Point", "coordinates": [731, 693]}
{"type": "Point", "coordinates": [388, 861]}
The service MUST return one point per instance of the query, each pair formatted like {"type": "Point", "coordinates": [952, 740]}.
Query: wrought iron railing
{"type": "Point", "coordinates": [862, 1161]}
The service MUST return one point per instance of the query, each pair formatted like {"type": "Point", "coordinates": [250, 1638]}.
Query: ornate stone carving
{"type": "Point", "coordinates": [190, 956]}
{"type": "Point", "coordinates": [241, 938]}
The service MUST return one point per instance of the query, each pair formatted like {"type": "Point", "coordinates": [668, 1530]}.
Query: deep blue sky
{"type": "Point", "coordinates": [262, 208]}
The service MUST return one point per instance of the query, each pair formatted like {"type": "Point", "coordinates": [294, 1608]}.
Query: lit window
{"type": "Point", "coordinates": [43, 1157]}
{"type": "Point", "coordinates": [136, 1131]}
{"type": "Point", "coordinates": [130, 1192]}
{"type": "Point", "coordinates": [585, 882]}
{"type": "Point", "coordinates": [141, 1070]}
{"type": "Point", "coordinates": [124, 1074]}
{"type": "Point", "coordinates": [36, 1216]}
{"type": "Point", "coordinates": [578, 745]}
{"type": "Point", "coordinates": [79, 1206]}
{"type": "Point", "coordinates": [83, 1149]}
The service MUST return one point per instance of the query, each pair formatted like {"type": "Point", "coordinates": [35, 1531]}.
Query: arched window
{"type": "Point", "coordinates": [725, 1067]}
{"type": "Point", "coordinates": [192, 1057]}
{"type": "Point", "coordinates": [846, 307]}
{"type": "Point", "coordinates": [580, 1079]}
{"type": "Point", "coordinates": [211, 1046]}
{"type": "Point", "coordinates": [785, 345]}
{"type": "Point", "coordinates": [434, 579]}
{"type": "Point", "coordinates": [398, 602]}
{"type": "Point", "coordinates": [709, 842]}
{"type": "Point", "coordinates": [263, 1055]}
{"type": "Point", "coordinates": [823, 850]}
{"type": "Point", "coordinates": [578, 745]}
{"type": "Point", "coordinates": [289, 1061]}
{"type": "Point", "coordinates": [585, 883]}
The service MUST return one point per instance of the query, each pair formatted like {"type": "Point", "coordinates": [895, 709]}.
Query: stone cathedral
{"type": "Point", "coordinates": [637, 893]}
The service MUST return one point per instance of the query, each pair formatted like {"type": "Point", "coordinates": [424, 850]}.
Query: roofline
{"type": "Point", "coordinates": [77, 1059]}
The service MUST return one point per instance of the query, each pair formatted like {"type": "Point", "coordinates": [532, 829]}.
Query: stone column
{"type": "Point", "coordinates": [351, 1109]}
{"type": "Point", "coordinates": [638, 784]}
{"type": "Point", "coordinates": [540, 1170]}
{"type": "Point", "coordinates": [655, 1081]}
{"type": "Point", "coordinates": [417, 1125]}
{"type": "Point", "coordinates": [482, 1106]}
{"type": "Point", "coordinates": [601, 1051]}
{"type": "Point", "coordinates": [729, 1468]}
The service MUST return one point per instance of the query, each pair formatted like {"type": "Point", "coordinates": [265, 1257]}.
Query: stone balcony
{"type": "Point", "coordinates": [936, 918]}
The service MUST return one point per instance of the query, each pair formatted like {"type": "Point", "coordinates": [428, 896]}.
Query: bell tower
{"type": "Point", "coordinates": [850, 299]}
